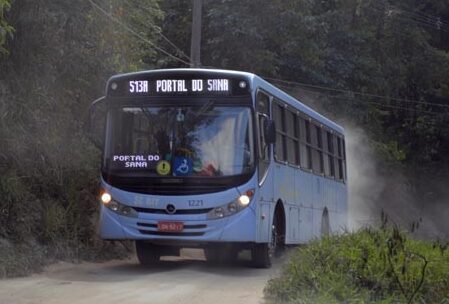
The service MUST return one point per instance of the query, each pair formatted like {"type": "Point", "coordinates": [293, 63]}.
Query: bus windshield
{"type": "Point", "coordinates": [185, 141]}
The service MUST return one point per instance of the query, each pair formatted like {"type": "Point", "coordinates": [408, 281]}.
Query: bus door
{"type": "Point", "coordinates": [266, 185]}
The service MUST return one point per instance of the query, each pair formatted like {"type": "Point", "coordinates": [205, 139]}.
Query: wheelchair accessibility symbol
{"type": "Point", "coordinates": [183, 166]}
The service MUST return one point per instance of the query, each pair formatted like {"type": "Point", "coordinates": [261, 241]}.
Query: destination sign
{"type": "Point", "coordinates": [152, 86]}
{"type": "Point", "coordinates": [179, 85]}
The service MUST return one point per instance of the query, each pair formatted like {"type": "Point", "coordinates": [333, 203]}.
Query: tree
{"type": "Point", "coordinates": [5, 29]}
{"type": "Point", "coordinates": [60, 57]}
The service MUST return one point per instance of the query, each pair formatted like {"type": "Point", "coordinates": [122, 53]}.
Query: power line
{"type": "Point", "coordinates": [299, 84]}
{"type": "Point", "coordinates": [427, 17]}
{"type": "Point", "coordinates": [351, 99]}
{"type": "Point", "coordinates": [423, 23]}
{"type": "Point", "coordinates": [159, 32]}
{"type": "Point", "coordinates": [127, 28]}
{"type": "Point", "coordinates": [436, 24]}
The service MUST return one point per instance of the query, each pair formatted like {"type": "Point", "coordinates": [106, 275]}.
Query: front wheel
{"type": "Point", "coordinates": [147, 253]}
{"type": "Point", "coordinates": [262, 254]}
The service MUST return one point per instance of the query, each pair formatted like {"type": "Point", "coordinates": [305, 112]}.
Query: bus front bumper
{"type": "Point", "coordinates": [240, 227]}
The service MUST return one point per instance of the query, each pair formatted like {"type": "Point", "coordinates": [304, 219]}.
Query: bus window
{"type": "Point", "coordinates": [278, 113]}
{"type": "Point", "coordinates": [340, 159]}
{"type": "Point", "coordinates": [316, 153]}
{"type": "Point", "coordinates": [305, 154]}
{"type": "Point", "coordinates": [263, 103]}
{"type": "Point", "coordinates": [336, 159]}
{"type": "Point", "coordinates": [292, 138]}
{"type": "Point", "coordinates": [320, 147]}
{"type": "Point", "coordinates": [329, 158]}
{"type": "Point", "coordinates": [263, 110]}
{"type": "Point", "coordinates": [216, 141]}
{"type": "Point", "coordinates": [325, 150]}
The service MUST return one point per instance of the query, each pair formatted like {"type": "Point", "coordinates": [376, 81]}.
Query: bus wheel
{"type": "Point", "coordinates": [262, 254]}
{"type": "Point", "coordinates": [325, 223]}
{"type": "Point", "coordinates": [147, 253]}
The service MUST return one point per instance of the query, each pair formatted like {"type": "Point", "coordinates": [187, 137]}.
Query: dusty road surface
{"type": "Point", "coordinates": [187, 279]}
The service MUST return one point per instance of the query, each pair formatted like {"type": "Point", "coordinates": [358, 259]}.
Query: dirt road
{"type": "Point", "coordinates": [188, 279]}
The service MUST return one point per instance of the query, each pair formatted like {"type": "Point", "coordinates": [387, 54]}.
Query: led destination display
{"type": "Point", "coordinates": [175, 86]}
{"type": "Point", "coordinates": [179, 85]}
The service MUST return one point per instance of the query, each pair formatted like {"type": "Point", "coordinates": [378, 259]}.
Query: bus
{"type": "Point", "coordinates": [219, 160]}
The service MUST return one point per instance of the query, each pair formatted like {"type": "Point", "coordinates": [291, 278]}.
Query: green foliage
{"type": "Point", "coordinates": [390, 151]}
{"type": "Point", "coordinates": [5, 29]}
{"type": "Point", "coordinates": [369, 266]}
{"type": "Point", "coordinates": [60, 57]}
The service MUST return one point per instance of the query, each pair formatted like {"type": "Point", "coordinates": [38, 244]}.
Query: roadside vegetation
{"type": "Point", "coordinates": [382, 265]}
{"type": "Point", "coordinates": [55, 58]}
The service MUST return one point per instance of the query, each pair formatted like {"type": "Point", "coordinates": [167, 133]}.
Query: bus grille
{"type": "Point", "coordinates": [180, 211]}
{"type": "Point", "coordinates": [163, 233]}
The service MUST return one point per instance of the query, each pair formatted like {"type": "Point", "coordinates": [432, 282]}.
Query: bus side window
{"type": "Point", "coordinates": [319, 132]}
{"type": "Point", "coordinates": [325, 151]}
{"type": "Point", "coordinates": [292, 138]}
{"type": "Point", "coordinates": [316, 153]}
{"type": "Point", "coordinates": [263, 111]}
{"type": "Point", "coordinates": [336, 159]}
{"type": "Point", "coordinates": [329, 159]}
{"type": "Point", "coordinates": [305, 153]}
{"type": "Point", "coordinates": [341, 175]}
{"type": "Point", "coordinates": [279, 119]}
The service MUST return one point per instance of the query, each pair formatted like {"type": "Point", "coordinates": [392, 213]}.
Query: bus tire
{"type": "Point", "coordinates": [325, 223]}
{"type": "Point", "coordinates": [263, 254]}
{"type": "Point", "coordinates": [260, 256]}
{"type": "Point", "coordinates": [147, 253]}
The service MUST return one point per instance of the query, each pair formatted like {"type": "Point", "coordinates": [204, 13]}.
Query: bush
{"type": "Point", "coordinates": [369, 266]}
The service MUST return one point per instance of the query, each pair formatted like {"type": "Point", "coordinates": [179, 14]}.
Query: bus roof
{"type": "Point", "coordinates": [255, 82]}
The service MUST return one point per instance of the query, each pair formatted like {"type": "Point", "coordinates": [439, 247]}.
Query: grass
{"type": "Point", "coordinates": [49, 212]}
{"type": "Point", "coordinates": [369, 266]}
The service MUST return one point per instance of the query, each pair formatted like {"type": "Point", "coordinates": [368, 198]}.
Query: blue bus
{"type": "Point", "coordinates": [216, 159]}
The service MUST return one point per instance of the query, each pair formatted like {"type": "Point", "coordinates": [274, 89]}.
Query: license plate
{"type": "Point", "coordinates": [170, 226]}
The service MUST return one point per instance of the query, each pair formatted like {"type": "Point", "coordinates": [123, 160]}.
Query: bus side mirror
{"type": "Point", "coordinates": [97, 121]}
{"type": "Point", "coordinates": [270, 132]}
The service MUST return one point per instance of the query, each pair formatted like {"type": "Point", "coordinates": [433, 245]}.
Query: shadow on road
{"type": "Point", "coordinates": [128, 270]}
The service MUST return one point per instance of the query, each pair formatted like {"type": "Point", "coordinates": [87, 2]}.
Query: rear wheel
{"type": "Point", "coordinates": [325, 223]}
{"type": "Point", "coordinates": [147, 253]}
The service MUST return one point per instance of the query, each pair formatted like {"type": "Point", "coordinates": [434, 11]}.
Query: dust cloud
{"type": "Point", "coordinates": [365, 182]}
{"type": "Point", "coordinates": [415, 201]}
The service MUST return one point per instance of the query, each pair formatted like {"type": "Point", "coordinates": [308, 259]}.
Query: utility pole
{"type": "Point", "coordinates": [195, 42]}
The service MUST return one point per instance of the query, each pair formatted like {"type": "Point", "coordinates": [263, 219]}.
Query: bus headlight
{"type": "Point", "coordinates": [106, 198]}
{"type": "Point", "coordinates": [116, 207]}
{"type": "Point", "coordinates": [231, 208]}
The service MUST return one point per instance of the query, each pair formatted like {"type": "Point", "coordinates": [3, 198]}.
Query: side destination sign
{"type": "Point", "coordinates": [160, 87]}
